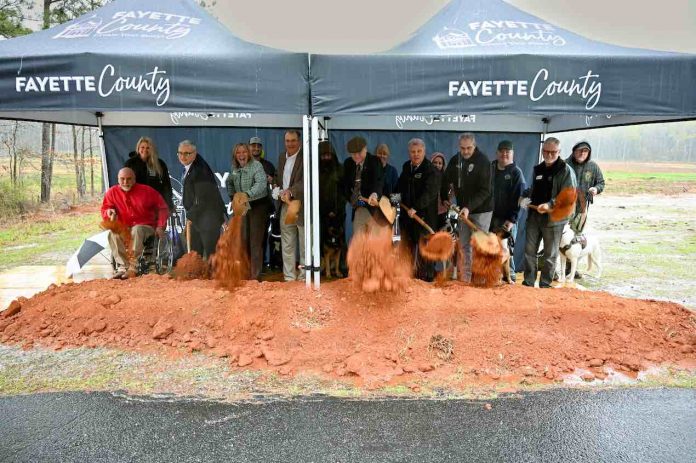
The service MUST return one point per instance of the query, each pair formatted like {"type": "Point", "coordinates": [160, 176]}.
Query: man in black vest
{"type": "Point", "coordinates": [202, 201]}
{"type": "Point", "coordinates": [362, 183]}
{"type": "Point", "coordinates": [419, 186]}
{"type": "Point", "coordinates": [550, 177]}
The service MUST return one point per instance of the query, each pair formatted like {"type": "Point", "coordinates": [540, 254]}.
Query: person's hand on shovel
{"type": "Point", "coordinates": [373, 200]}
{"type": "Point", "coordinates": [111, 214]}
{"type": "Point", "coordinates": [464, 213]}
{"type": "Point", "coordinates": [411, 213]}
{"type": "Point", "coordinates": [543, 208]}
{"type": "Point", "coordinates": [285, 196]}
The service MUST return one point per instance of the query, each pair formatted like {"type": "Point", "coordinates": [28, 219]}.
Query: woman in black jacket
{"type": "Point", "coordinates": [150, 170]}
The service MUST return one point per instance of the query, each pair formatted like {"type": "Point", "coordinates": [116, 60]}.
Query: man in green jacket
{"type": "Point", "coordinates": [590, 183]}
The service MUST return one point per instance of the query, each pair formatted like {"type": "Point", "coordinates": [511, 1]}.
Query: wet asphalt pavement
{"type": "Point", "coordinates": [572, 425]}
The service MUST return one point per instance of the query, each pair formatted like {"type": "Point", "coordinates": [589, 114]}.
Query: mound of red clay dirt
{"type": "Point", "coordinates": [455, 334]}
{"type": "Point", "coordinates": [191, 266]}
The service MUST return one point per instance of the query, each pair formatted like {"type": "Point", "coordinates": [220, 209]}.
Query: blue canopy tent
{"type": "Point", "coordinates": [486, 66]}
{"type": "Point", "coordinates": [135, 68]}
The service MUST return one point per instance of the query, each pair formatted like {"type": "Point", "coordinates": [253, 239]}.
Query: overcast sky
{"type": "Point", "coordinates": [362, 26]}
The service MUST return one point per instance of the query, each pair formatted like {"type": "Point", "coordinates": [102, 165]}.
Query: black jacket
{"type": "Point", "coordinates": [471, 182]}
{"type": "Point", "coordinates": [508, 186]}
{"type": "Point", "coordinates": [371, 178]}
{"type": "Point", "coordinates": [202, 199]}
{"type": "Point", "coordinates": [419, 189]}
{"type": "Point", "coordinates": [162, 184]}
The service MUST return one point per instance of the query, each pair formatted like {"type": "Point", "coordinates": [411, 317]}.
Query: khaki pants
{"type": "Point", "coordinates": [139, 233]}
{"type": "Point", "coordinates": [289, 237]}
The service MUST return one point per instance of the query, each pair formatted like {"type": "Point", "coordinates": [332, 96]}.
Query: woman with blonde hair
{"type": "Point", "coordinates": [248, 177]}
{"type": "Point", "coordinates": [150, 170]}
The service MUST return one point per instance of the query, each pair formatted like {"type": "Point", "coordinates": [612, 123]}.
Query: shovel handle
{"type": "Point", "coordinates": [419, 220]}
{"type": "Point", "coordinates": [469, 223]}
{"type": "Point", "coordinates": [188, 235]}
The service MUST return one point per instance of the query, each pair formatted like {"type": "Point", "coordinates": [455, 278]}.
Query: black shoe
{"type": "Point", "coordinates": [545, 285]}
{"type": "Point", "coordinates": [578, 276]}
{"type": "Point", "coordinates": [524, 283]}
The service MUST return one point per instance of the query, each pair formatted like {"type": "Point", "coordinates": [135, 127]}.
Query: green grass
{"type": "Point", "coordinates": [45, 239]}
{"type": "Point", "coordinates": [651, 176]}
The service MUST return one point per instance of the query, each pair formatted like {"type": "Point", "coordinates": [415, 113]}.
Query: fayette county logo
{"type": "Point", "coordinates": [453, 38]}
{"type": "Point", "coordinates": [144, 24]}
{"type": "Point", "coordinates": [499, 33]}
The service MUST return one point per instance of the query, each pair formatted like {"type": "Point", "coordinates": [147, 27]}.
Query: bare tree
{"type": "Point", "coordinates": [10, 142]}
{"type": "Point", "coordinates": [56, 12]}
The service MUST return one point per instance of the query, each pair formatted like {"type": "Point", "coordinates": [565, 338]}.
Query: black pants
{"type": "Point", "coordinates": [204, 238]}
{"type": "Point", "coordinates": [411, 232]}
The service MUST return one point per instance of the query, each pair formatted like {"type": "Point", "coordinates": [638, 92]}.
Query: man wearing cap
{"type": "Point", "coordinates": [468, 176]}
{"type": "Point", "coordinates": [508, 185]}
{"type": "Point", "coordinates": [590, 183]}
{"type": "Point", "coordinates": [290, 178]}
{"type": "Point", "coordinates": [256, 148]}
{"type": "Point", "coordinates": [362, 183]}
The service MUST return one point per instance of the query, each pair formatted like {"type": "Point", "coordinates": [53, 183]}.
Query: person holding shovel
{"type": "Point", "coordinates": [363, 182]}
{"type": "Point", "coordinates": [138, 207]}
{"type": "Point", "coordinates": [418, 185]}
{"type": "Point", "coordinates": [468, 177]}
{"type": "Point", "coordinates": [290, 178]}
{"type": "Point", "coordinates": [248, 189]}
{"type": "Point", "coordinates": [551, 177]}
{"type": "Point", "coordinates": [205, 211]}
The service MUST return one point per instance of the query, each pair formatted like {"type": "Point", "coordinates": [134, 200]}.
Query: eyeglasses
{"type": "Point", "coordinates": [184, 153]}
{"type": "Point", "coordinates": [549, 152]}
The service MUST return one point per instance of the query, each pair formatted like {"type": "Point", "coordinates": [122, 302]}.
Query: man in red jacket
{"type": "Point", "coordinates": [137, 206]}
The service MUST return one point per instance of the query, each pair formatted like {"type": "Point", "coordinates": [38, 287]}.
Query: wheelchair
{"type": "Point", "coordinates": [159, 254]}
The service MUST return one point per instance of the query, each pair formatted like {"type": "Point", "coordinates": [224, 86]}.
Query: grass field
{"type": "Point", "coordinates": [643, 178]}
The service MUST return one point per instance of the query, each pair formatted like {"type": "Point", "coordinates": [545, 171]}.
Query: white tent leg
{"type": "Point", "coordinates": [307, 201]}
{"type": "Point", "coordinates": [102, 149]}
{"type": "Point", "coordinates": [316, 254]}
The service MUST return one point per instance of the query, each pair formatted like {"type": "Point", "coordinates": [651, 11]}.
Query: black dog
{"type": "Point", "coordinates": [333, 244]}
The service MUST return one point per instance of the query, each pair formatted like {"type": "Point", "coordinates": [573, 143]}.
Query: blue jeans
{"type": "Point", "coordinates": [483, 221]}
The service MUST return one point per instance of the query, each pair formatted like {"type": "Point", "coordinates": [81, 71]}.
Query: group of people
{"type": "Point", "coordinates": [487, 194]}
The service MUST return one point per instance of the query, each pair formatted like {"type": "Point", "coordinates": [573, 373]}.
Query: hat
{"type": "Point", "coordinates": [356, 144]}
{"type": "Point", "coordinates": [505, 145]}
{"type": "Point", "coordinates": [255, 141]}
{"type": "Point", "coordinates": [582, 144]}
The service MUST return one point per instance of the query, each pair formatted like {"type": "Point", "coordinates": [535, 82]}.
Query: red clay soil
{"type": "Point", "coordinates": [455, 334]}
{"type": "Point", "coordinates": [191, 266]}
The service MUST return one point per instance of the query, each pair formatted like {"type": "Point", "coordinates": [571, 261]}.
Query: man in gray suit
{"type": "Point", "coordinates": [290, 178]}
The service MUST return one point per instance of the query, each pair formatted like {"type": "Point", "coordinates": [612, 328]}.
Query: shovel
{"type": "Point", "coordinates": [436, 246]}
{"type": "Point", "coordinates": [385, 206]}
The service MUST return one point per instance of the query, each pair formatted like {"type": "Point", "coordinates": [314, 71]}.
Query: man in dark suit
{"type": "Point", "coordinates": [363, 178]}
{"type": "Point", "coordinates": [202, 201]}
{"type": "Point", "coordinates": [419, 185]}
{"type": "Point", "coordinates": [290, 179]}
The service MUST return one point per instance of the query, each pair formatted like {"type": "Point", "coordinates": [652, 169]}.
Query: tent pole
{"type": "Point", "coordinates": [102, 149]}
{"type": "Point", "coordinates": [306, 201]}
{"type": "Point", "coordinates": [315, 203]}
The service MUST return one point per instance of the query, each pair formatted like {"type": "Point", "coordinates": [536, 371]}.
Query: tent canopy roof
{"type": "Point", "coordinates": [162, 56]}
{"type": "Point", "coordinates": [478, 57]}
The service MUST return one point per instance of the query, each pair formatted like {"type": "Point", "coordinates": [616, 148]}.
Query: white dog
{"type": "Point", "coordinates": [572, 250]}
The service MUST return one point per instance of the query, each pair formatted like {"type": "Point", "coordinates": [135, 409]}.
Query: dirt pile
{"type": "Point", "coordinates": [375, 265]}
{"type": "Point", "coordinates": [191, 266]}
{"type": "Point", "coordinates": [231, 261]}
{"type": "Point", "coordinates": [454, 335]}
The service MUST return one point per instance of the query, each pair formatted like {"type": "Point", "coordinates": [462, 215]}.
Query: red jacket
{"type": "Point", "coordinates": [142, 205]}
